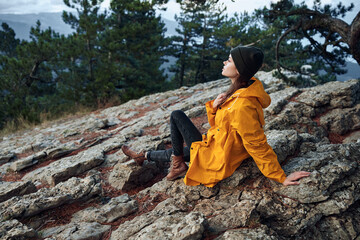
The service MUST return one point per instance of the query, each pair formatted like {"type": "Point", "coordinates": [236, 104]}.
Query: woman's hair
{"type": "Point", "coordinates": [240, 82]}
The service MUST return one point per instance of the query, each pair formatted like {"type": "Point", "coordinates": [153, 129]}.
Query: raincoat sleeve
{"type": "Point", "coordinates": [248, 125]}
{"type": "Point", "coordinates": [211, 112]}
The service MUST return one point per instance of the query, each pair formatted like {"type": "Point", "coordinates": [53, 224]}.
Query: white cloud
{"type": "Point", "coordinates": [37, 6]}
{"type": "Point", "coordinates": [32, 6]}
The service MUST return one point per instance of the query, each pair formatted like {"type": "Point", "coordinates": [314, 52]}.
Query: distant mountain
{"type": "Point", "coordinates": [21, 23]}
{"type": "Point", "coordinates": [353, 71]}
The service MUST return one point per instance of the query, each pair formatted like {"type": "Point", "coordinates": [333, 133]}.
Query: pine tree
{"type": "Point", "coordinates": [182, 44]}
{"type": "Point", "coordinates": [211, 16]}
{"type": "Point", "coordinates": [8, 44]}
{"type": "Point", "coordinates": [8, 41]}
{"type": "Point", "coordinates": [195, 47]}
{"type": "Point", "coordinates": [26, 77]}
{"type": "Point", "coordinates": [84, 52]}
{"type": "Point", "coordinates": [136, 44]}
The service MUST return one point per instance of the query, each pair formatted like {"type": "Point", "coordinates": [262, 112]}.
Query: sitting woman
{"type": "Point", "coordinates": [236, 118]}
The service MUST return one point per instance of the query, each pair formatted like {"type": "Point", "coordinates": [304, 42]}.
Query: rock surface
{"type": "Point", "coordinates": [10, 189]}
{"type": "Point", "coordinates": [67, 167]}
{"type": "Point", "coordinates": [14, 229]}
{"type": "Point", "coordinates": [74, 189]}
{"type": "Point", "coordinates": [117, 207]}
{"type": "Point", "coordinates": [166, 221]}
{"type": "Point", "coordinates": [78, 231]}
{"type": "Point", "coordinates": [259, 233]}
{"type": "Point", "coordinates": [68, 179]}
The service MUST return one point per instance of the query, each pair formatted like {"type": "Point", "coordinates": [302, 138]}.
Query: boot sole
{"type": "Point", "coordinates": [182, 174]}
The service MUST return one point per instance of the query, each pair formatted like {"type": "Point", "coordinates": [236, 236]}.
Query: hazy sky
{"type": "Point", "coordinates": [36, 6]}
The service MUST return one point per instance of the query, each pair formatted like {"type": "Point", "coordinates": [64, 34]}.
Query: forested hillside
{"type": "Point", "coordinates": [114, 56]}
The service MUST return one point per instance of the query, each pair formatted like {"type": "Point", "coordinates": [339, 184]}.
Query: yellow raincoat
{"type": "Point", "coordinates": [236, 133]}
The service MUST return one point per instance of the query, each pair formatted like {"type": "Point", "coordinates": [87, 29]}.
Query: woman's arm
{"type": "Point", "coordinates": [247, 124]}
{"type": "Point", "coordinates": [255, 142]}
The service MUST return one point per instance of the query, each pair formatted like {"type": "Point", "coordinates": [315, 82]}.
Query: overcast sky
{"type": "Point", "coordinates": [36, 6]}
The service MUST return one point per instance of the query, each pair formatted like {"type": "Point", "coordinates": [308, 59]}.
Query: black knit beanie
{"type": "Point", "coordinates": [247, 60]}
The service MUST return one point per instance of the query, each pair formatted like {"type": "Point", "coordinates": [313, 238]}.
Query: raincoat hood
{"type": "Point", "coordinates": [257, 91]}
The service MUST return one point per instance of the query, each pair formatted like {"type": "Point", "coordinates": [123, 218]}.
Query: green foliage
{"type": "Point", "coordinates": [110, 58]}
{"type": "Point", "coordinates": [136, 43]}
{"type": "Point", "coordinates": [200, 48]}
{"type": "Point", "coordinates": [27, 79]}
{"type": "Point", "coordinates": [301, 44]}
{"type": "Point", "coordinates": [8, 41]}
{"type": "Point", "coordinates": [198, 51]}
{"type": "Point", "coordinates": [83, 83]}
{"type": "Point", "coordinates": [114, 56]}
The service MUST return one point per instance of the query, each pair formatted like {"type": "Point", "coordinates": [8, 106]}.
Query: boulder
{"type": "Point", "coordinates": [334, 94]}
{"type": "Point", "coordinates": [11, 189]}
{"type": "Point", "coordinates": [77, 231]}
{"type": "Point", "coordinates": [75, 189]}
{"type": "Point", "coordinates": [164, 222]}
{"type": "Point", "coordinates": [13, 229]}
{"type": "Point", "coordinates": [6, 157]}
{"type": "Point", "coordinates": [279, 99]}
{"type": "Point", "coordinates": [129, 175]}
{"type": "Point", "coordinates": [130, 228]}
{"type": "Point", "coordinates": [67, 167]}
{"type": "Point", "coordinates": [284, 143]}
{"type": "Point", "coordinates": [353, 137]}
{"type": "Point", "coordinates": [247, 169]}
{"type": "Point", "coordinates": [27, 162]}
{"type": "Point", "coordinates": [257, 233]}
{"type": "Point", "coordinates": [178, 226]}
{"type": "Point", "coordinates": [341, 121]}
{"type": "Point", "coordinates": [236, 216]}
{"type": "Point", "coordinates": [117, 207]}
{"type": "Point", "coordinates": [332, 167]}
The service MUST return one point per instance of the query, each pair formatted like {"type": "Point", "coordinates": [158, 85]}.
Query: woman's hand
{"type": "Point", "coordinates": [293, 177]}
{"type": "Point", "coordinates": [219, 100]}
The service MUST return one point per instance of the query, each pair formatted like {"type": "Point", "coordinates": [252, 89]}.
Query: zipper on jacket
{"type": "Point", "coordinates": [235, 101]}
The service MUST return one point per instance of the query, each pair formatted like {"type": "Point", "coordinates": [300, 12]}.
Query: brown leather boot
{"type": "Point", "coordinates": [139, 157]}
{"type": "Point", "coordinates": [178, 168]}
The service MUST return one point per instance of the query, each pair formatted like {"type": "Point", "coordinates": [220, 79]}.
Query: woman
{"type": "Point", "coordinates": [236, 119]}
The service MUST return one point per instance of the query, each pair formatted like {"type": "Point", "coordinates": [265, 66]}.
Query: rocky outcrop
{"type": "Point", "coordinates": [74, 189]}
{"type": "Point", "coordinates": [80, 231]}
{"type": "Point", "coordinates": [14, 229]}
{"type": "Point", "coordinates": [67, 167]}
{"type": "Point", "coordinates": [166, 221]}
{"type": "Point", "coordinates": [117, 207]}
{"type": "Point", "coordinates": [87, 189]}
{"type": "Point", "coordinates": [128, 175]}
{"type": "Point", "coordinates": [11, 189]}
{"type": "Point", "coordinates": [258, 233]}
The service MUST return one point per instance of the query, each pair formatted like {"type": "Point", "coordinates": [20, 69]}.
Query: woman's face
{"type": "Point", "coordinates": [229, 70]}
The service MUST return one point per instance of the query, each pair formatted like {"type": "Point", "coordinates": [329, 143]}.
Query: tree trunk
{"type": "Point", "coordinates": [350, 34]}
{"type": "Point", "coordinates": [354, 41]}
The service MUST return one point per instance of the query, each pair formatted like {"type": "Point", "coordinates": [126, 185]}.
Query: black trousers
{"type": "Point", "coordinates": [181, 129]}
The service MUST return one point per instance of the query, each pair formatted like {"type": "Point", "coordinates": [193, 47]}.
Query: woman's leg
{"type": "Point", "coordinates": [181, 128]}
